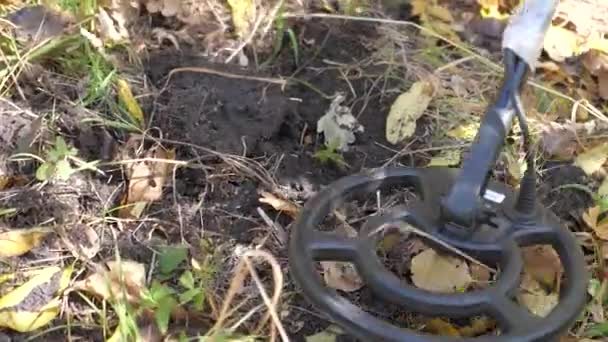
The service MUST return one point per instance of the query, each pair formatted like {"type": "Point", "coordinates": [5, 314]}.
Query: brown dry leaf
{"type": "Point", "coordinates": [440, 273]}
{"type": "Point", "coordinates": [592, 159]}
{"type": "Point", "coordinates": [146, 181]}
{"type": "Point", "coordinates": [82, 241]}
{"type": "Point", "coordinates": [279, 204]}
{"type": "Point", "coordinates": [559, 141]}
{"type": "Point", "coordinates": [7, 182]}
{"type": "Point", "coordinates": [542, 264]}
{"type": "Point", "coordinates": [342, 275]}
{"type": "Point", "coordinates": [535, 298]}
{"type": "Point", "coordinates": [591, 219]}
{"type": "Point", "coordinates": [119, 281]}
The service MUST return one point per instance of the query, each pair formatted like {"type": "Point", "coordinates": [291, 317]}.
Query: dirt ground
{"type": "Point", "coordinates": [241, 117]}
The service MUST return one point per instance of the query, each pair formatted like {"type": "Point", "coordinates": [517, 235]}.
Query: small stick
{"type": "Point", "coordinates": [204, 70]}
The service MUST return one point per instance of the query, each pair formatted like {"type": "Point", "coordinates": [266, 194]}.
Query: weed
{"type": "Point", "coordinates": [329, 154]}
{"type": "Point", "coordinates": [281, 30]}
{"type": "Point", "coordinates": [58, 162]}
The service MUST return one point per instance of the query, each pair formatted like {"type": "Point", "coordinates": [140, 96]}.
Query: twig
{"type": "Point", "coordinates": [280, 232]}
{"type": "Point", "coordinates": [278, 280]}
{"type": "Point", "coordinates": [210, 71]}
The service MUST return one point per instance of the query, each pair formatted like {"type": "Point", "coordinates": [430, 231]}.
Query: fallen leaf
{"type": "Point", "coordinates": [561, 43]}
{"type": "Point", "coordinates": [338, 125]}
{"type": "Point", "coordinates": [35, 303]}
{"type": "Point", "coordinates": [407, 108]}
{"type": "Point", "coordinates": [435, 18]}
{"type": "Point", "coordinates": [559, 140]}
{"type": "Point", "coordinates": [327, 335]}
{"type": "Point", "coordinates": [243, 13]}
{"type": "Point", "coordinates": [446, 158]}
{"type": "Point", "coordinates": [438, 326]}
{"type": "Point", "coordinates": [82, 241]}
{"type": "Point", "coordinates": [342, 275]}
{"type": "Point", "coordinates": [120, 281]}
{"type": "Point", "coordinates": [591, 217]}
{"type": "Point", "coordinates": [440, 273]}
{"type": "Point", "coordinates": [146, 182]}
{"type": "Point", "coordinates": [279, 204]}
{"type": "Point", "coordinates": [542, 263]}
{"type": "Point", "coordinates": [535, 298]}
{"type": "Point", "coordinates": [465, 132]}
{"type": "Point", "coordinates": [478, 326]}
{"type": "Point", "coordinates": [593, 159]}
{"type": "Point", "coordinates": [15, 242]}
{"type": "Point", "coordinates": [128, 100]}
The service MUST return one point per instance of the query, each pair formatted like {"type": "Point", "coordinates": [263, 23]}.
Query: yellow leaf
{"type": "Point", "coordinates": [437, 326]}
{"type": "Point", "coordinates": [279, 204]}
{"type": "Point", "coordinates": [126, 97]}
{"type": "Point", "coordinates": [561, 43]}
{"type": "Point", "coordinates": [123, 280]}
{"type": "Point", "coordinates": [17, 242]}
{"type": "Point", "coordinates": [593, 159]}
{"type": "Point", "coordinates": [407, 108]}
{"type": "Point", "coordinates": [243, 14]}
{"type": "Point", "coordinates": [446, 158]}
{"type": "Point", "coordinates": [35, 303]}
{"type": "Point", "coordinates": [440, 273]}
{"type": "Point", "coordinates": [465, 132]}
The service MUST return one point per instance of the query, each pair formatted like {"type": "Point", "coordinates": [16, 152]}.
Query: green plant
{"type": "Point", "coordinates": [161, 300]}
{"type": "Point", "coordinates": [329, 154]}
{"type": "Point", "coordinates": [57, 162]}
{"type": "Point", "coordinates": [280, 28]}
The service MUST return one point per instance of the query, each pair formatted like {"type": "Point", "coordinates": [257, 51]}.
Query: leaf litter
{"type": "Point", "coordinates": [342, 275]}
